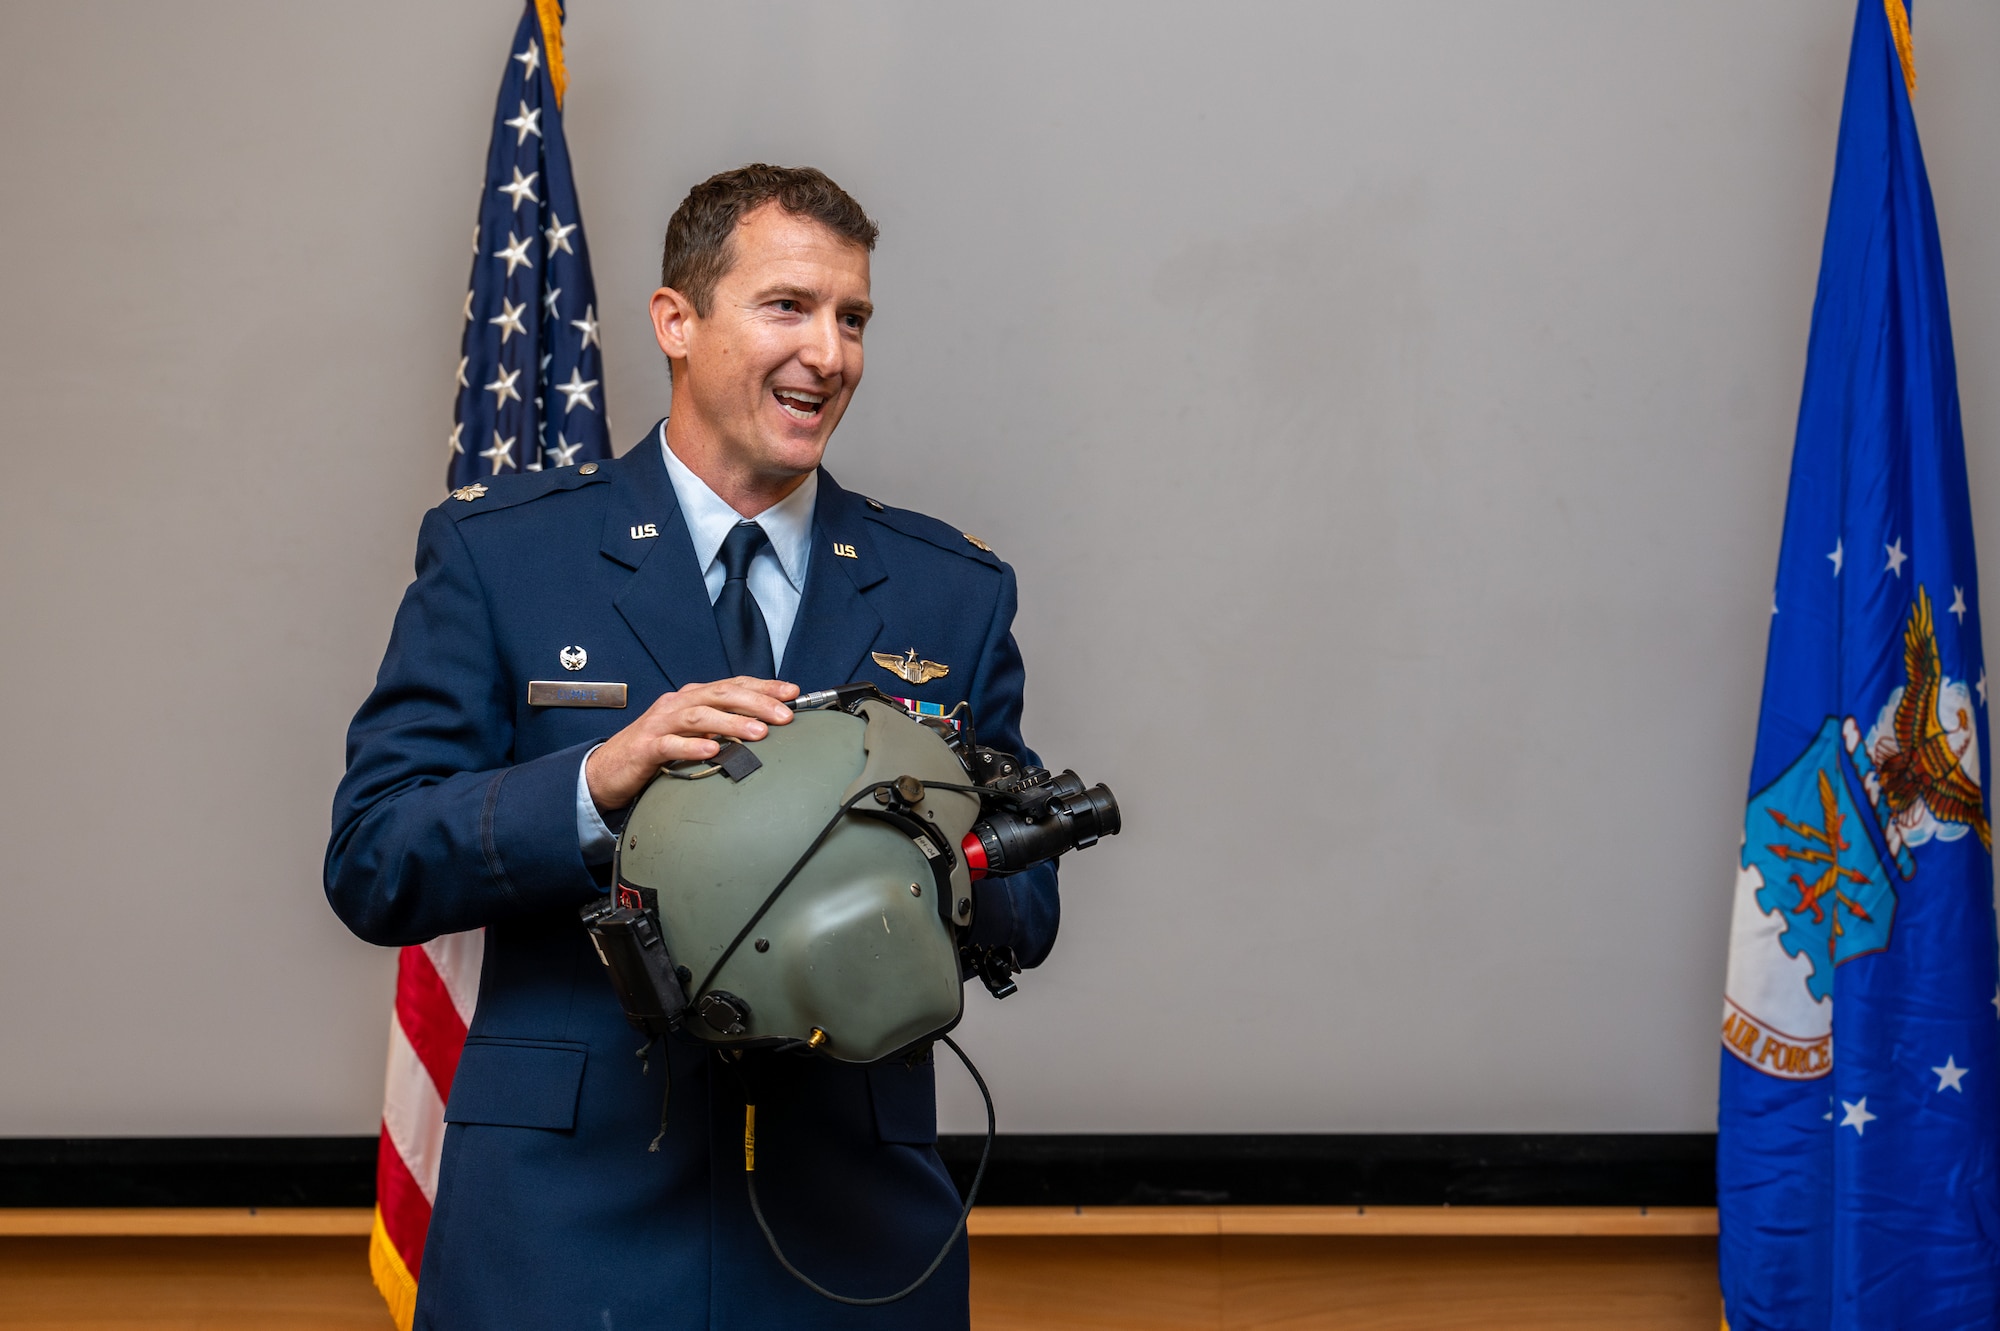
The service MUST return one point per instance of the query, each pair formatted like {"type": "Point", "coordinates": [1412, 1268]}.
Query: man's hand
{"type": "Point", "coordinates": [681, 725]}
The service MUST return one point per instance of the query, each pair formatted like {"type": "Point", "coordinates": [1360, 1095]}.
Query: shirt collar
{"type": "Point", "coordinates": [709, 519]}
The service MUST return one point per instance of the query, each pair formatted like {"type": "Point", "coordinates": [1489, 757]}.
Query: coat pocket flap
{"type": "Point", "coordinates": [517, 1084]}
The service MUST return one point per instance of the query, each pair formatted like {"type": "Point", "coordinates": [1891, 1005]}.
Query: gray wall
{"type": "Point", "coordinates": [1387, 408]}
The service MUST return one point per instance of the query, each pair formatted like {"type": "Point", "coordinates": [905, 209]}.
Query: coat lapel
{"type": "Point", "coordinates": [836, 625]}
{"type": "Point", "coordinates": [665, 602]}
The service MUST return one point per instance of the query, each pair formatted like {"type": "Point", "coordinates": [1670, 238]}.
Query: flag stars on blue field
{"type": "Point", "coordinates": [501, 454]}
{"type": "Point", "coordinates": [1957, 606]}
{"type": "Point", "coordinates": [529, 200]}
{"type": "Point", "coordinates": [1836, 557]}
{"type": "Point", "coordinates": [509, 319]}
{"type": "Point", "coordinates": [1950, 1075]}
{"type": "Point", "coordinates": [516, 252]}
{"type": "Point", "coordinates": [1896, 556]}
{"type": "Point", "coordinates": [578, 390]}
{"type": "Point", "coordinates": [526, 123]}
{"type": "Point", "coordinates": [522, 189]}
{"type": "Point", "coordinates": [1857, 1116]}
{"type": "Point", "coordinates": [503, 388]}
{"type": "Point", "coordinates": [1981, 686]}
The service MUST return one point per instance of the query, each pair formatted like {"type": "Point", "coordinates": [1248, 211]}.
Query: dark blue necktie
{"type": "Point", "coordinates": [746, 641]}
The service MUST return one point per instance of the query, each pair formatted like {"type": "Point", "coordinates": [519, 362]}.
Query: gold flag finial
{"type": "Point", "coordinates": [551, 16]}
{"type": "Point", "coordinates": [1899, 28]}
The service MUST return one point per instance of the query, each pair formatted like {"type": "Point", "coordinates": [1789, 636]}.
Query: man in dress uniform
{"type": "Point", "coordinates": [708, 575]}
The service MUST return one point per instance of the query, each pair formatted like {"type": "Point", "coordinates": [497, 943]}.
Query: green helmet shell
{"type": "Point", "coordinates": [859, 947]}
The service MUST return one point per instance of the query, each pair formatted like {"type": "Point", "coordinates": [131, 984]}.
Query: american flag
{"type": "Point", "coordinates": [530, 395]}
{"type": "Point", "coordinates": [530, 369]}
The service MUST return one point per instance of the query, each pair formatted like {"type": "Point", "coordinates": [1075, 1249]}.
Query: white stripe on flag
{"type": "Point", "coordinates": [413, 1112]}
{"type": "Point", "coordinates": [458, 958]}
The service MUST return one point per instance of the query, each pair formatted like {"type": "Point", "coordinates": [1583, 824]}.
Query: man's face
{"type": "Point", "coordinates": [767, 373]}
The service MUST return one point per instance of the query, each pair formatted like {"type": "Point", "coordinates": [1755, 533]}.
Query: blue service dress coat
{"type": "Point", "coordinates": [458, 810]}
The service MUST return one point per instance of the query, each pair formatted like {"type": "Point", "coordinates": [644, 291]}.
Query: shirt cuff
{"type": "Point", "coordinates": [593, 836]}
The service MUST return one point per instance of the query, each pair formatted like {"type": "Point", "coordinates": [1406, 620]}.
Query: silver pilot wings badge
{"type": "Point", "coordinates": [909, 669]}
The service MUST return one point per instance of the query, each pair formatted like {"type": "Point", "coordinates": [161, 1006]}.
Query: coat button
{"type": "Point", "coordinates": [587, 469]}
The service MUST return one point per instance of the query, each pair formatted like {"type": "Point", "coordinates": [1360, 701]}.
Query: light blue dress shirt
{"type": "Point", "coordinates": [777, 580]}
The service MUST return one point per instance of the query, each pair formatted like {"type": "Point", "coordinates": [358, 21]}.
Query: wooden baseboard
{"type": "Point", "coordinates": [1344, 1221]}
{"type": "Point", "coordinates": [1039, 1268]}
{"type": "Point", "coordinates": [986, 1221]}
{"type": "Point", "coordinates": [139, 1222]}
{"type": "Point", "coordinates": [1302, 1283]}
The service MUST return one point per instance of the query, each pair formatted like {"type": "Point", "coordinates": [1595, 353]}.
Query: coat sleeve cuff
{"type": "Point", "coordinates": [528, 832]}
{"type": "Point", "coordinates": [593, 834]}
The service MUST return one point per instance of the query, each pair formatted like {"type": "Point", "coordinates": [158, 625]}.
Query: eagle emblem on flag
{"type": "Point", "coordinates": [1928, 768]}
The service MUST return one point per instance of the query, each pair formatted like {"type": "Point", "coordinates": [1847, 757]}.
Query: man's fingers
{"type": "Point", "coordinates": [745, 699]}
{"type": "Point", "coordinates": [680, 748]}
{"type": "Point", "coordinates": [777, 688]}
{"type": "Point", "coordinates": [677, 728]}
{"type": "Point", "coordinates": [716, 721]}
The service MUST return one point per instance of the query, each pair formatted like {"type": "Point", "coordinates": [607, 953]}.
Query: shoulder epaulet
{"type": "Point", "coordinates": [492, 493]}
{"type": "Point", "coordinates": [931, 531]}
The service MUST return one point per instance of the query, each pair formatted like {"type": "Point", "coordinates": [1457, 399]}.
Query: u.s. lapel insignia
{"type": "Point", "coordinates": [573, 658]}
{"type": "Point", "coordinates": [909, 669]}
{"type": "Point", "coordinates": [469, 492]}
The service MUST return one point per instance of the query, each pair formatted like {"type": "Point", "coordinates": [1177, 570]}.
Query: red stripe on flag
{"type": "Point", "coordinates": [405, 1213]}
{"type": "Point", "coordinates": [430, 1022]}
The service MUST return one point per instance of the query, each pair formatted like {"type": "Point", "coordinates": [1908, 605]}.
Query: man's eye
{"type": "Point", "coordinates": [854, 321]}
{"type": "Point", "coordinates": [788, 306]}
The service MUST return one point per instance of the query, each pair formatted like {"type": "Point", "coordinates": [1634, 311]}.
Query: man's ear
{"type": "Point", "coordinates": [673, 318]}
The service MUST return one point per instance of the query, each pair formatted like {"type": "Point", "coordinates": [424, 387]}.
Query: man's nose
{"type": "Point", "coordinates": [824, 350]}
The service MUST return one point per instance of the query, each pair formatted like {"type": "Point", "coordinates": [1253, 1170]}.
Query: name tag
{"type": "Point", "coordinates": [574, 693]}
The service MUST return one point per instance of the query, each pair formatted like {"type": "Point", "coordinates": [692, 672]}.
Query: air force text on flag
{"type": "Point", "coordinates": [530, 374]}
{"type": "Point", "coordinates": [1858, 1163]}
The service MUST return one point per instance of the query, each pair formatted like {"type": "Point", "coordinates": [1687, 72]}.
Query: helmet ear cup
{"type": "Point", "coordinates": [864, 948]}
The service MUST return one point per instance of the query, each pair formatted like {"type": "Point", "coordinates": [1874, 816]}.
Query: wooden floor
{"type": "Point", "coordinates": [1050, 1282]}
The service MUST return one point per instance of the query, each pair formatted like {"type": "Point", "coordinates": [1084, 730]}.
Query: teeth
{"type": "Point", "coordinates": [811, 403]}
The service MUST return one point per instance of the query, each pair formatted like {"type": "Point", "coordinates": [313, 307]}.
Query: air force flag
{"type": "Point", "coordinates": [1858, 1164]}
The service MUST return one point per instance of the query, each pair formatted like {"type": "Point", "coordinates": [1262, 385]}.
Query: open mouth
{"type": "Point", "coordinates": [800, 405]}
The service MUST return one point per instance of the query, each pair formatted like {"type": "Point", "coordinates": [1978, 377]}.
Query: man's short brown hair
{"type": "Point", "coordinates": [701, 235]}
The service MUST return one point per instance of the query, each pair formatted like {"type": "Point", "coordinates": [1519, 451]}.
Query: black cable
{"type": "Point", "coordinates": [1006, 797]}
{"type": "Point", "coordinates": [972, 1195]}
